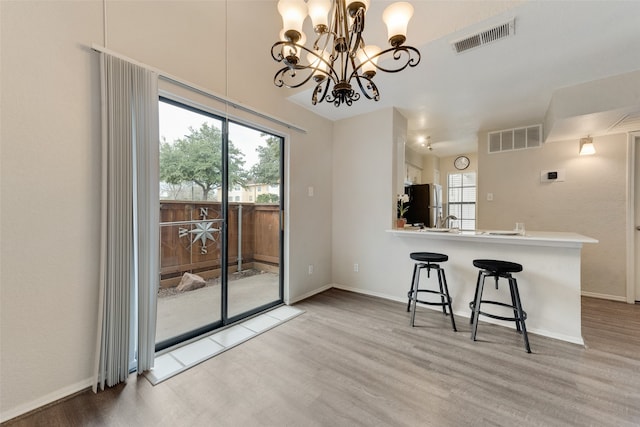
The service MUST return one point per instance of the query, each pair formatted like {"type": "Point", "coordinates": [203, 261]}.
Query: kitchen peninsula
{"type": "Point", "coordinates": [549, 283]}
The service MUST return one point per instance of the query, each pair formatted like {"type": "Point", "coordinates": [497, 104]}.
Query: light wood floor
{"type": "Point", "coordinates": [353, 360]}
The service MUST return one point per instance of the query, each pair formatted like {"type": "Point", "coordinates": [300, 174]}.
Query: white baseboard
{"type": "Point", "coordinates": [308, 294]}
{"type": "Point", "coordinates": [511, 325]}
{"type": "Point", "coordinates": [367, 292]}
{"type": "Point", "coordinates": [45, 400]}
{"type": "Point", "coordinates": [466, 314]}
{"type": "Point", "coordinates": [603, 296]}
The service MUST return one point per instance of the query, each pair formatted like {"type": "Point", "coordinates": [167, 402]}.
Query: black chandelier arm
{"type": "Point", "coordinates": [338, 98]}
{"type": "Point", "coordinates": [328, 65]}
{"type": "Point", "coordinates": [327, 35]}
{"type": "Point", "coordinates": [398, 53]}
{"type": "Point", "coordinates": [357, 44]}
{"type": "Point", "coordinates": [319, 90]}
{"type": "Point", "coordinates": [276, 50]}
{"type": "Point", "coordinates": [288, 76]}
{"type": "Point", "coordinates": [356, 32]}
{"type": "Point", "coordinates": [358, 21]}
{"type": "Point", "coordinates": [369, 89]}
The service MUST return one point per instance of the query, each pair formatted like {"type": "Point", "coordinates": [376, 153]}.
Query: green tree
{"type": "Point", "coordinates": [268, 198]}
{"type": "Point", "coordinates": [197, 158]}
{"type": "Point", "coordinates": [267, 170]}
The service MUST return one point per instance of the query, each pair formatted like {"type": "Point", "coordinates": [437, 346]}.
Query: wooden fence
{"type": "Point", "coordinates": [191, 239]}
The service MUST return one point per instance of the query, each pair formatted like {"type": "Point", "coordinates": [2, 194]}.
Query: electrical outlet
{"type": "Point", "coordinates": [489, 197]}
{"type": "Point", "coordinates": [310, 269]}
{"type": "Point", "coordinates": [310, 191]}
{"type": "Point", "coordinates": [356, 268]}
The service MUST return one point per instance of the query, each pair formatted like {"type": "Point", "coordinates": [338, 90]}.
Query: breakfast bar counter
{"type": "Point", "coordinates": [549, 283]}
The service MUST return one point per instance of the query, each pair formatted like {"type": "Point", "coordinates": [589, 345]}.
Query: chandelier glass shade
{"type": "Point", "coordinates": [339, 62]}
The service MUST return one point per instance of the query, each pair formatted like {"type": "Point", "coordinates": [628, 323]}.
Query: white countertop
{"type": "Point", "coordinates": [531, 238]}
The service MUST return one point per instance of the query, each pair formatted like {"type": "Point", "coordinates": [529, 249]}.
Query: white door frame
{"type": "Point", "coordinates": [631, 231]}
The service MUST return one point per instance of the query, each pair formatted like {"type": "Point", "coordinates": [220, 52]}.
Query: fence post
{"type": "Point", "coordinates": [239, 238]}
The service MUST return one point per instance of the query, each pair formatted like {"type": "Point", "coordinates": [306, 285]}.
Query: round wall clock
{"type": "Point", "coordinates": [461, 162]}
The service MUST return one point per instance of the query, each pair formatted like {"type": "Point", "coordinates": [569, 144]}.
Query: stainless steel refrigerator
{"type": "Point", "coordinates": [425, 204]}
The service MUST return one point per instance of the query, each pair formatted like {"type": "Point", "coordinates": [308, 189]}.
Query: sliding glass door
{"type": "Point", "coordinates": [220, 222]}
{"type": "Point", "coordinates": [254, 208]}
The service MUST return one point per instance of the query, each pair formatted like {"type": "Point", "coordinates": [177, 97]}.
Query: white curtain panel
{"type": "Point", "coordinates": [129, 265]}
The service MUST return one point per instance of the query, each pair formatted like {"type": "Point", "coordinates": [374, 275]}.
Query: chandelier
{"type": "Point", "coordinates": [339, 61]}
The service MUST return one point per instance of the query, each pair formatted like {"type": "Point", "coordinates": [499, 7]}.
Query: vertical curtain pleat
{"type": "Point", "coordinates": [148, 213]}
{"type": "Point", "coordinates": [129, 247]}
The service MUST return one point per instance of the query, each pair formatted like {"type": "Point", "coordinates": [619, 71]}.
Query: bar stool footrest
{"type": "Point", "coordinates": [495, 316]}
{"type": "Point", "coordinates": [445, 303]}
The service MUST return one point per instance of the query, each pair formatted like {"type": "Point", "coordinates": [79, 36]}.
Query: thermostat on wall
{"type": "Point", "coordinates": [552, 175]}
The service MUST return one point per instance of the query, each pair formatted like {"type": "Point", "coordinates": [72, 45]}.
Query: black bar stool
{"type": "Point", "coordinates": [497, 269]}
{"type": "Point", "coordinates": [428, 260]}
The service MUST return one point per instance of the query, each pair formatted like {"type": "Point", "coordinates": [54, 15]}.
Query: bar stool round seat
{"type": "Point", "coordinates": [496, 266]}
{"type": "Point", "coordinates": [428, 257]}
{"type": "Point", "coordinates": [499, 269]}
{"type": "Point", "coordinates": [429, 261]}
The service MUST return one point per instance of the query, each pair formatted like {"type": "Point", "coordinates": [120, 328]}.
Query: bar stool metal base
{"type": "Point", "coordinates": [499, 269]}
{"type": "Point", "coordinates": [429, 264]}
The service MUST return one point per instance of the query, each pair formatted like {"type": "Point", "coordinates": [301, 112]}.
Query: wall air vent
{"type": "Point", "coordinates": [515, 139]}
{"type": "Point", "coordinates": [492, 34]}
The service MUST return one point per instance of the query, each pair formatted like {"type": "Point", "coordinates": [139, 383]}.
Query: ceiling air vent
{"type": "Point", "coordinates": [492, 34]}
{"type": "Point", "coordinates": [627, 123]}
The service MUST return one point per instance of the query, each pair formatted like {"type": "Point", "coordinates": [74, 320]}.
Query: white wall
{"type": "Point", "coordinates": [431, 170]}
{"type": "Point", "coordinates": [412, 157]}
{"type": "Point", "coordinates": [50, 166]}
{"type": "Point", "coordinates": [591, 201]}
{"type": "Point", "coordinates": [50, 197]}
{"type": "Point", "coordinates": [363, 197]}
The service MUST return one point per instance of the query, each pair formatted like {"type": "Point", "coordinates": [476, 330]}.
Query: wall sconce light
{"type": "Point", "coordinates": [586, 146]}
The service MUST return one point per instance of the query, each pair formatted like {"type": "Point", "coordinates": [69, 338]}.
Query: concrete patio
{"type": "Point", "coordinates": [186, 311]}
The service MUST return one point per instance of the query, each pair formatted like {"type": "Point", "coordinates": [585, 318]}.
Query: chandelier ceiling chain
{"type": "Point", "coordinates": [338, 60]}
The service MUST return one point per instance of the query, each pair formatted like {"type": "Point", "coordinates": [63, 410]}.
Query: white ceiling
{"type": "Point", "coordinates": [508, 83]}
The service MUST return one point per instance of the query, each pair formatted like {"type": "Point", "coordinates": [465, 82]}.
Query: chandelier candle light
{"type": "Point", "coordinates": [338, 59]}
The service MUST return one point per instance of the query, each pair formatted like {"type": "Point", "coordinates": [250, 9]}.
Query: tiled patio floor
{"type": "Point", "coordinates": [183, 358]}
